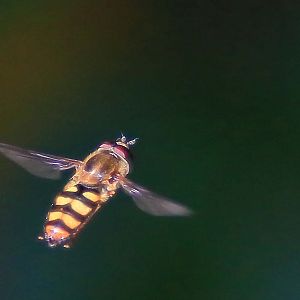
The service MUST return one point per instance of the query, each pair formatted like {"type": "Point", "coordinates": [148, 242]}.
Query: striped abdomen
{"type": "Point", "coordinates": [71, 209]}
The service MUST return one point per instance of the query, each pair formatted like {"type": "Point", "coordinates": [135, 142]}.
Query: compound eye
{"type": "Point", "coordinates": [106, 145]}
{"type": "Point", "coordinates": [122, 151]}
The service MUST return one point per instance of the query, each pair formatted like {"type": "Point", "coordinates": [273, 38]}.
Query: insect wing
{"type": "Point", "coordinates": [39, 164]}
{"type": "Point", "coordinates": [152, 203]}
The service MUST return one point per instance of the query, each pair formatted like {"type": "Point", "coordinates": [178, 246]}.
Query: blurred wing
{"type": "Point", "coordinates": [39, 164]}
{"type": "Point", "coordinates": [152, 203]}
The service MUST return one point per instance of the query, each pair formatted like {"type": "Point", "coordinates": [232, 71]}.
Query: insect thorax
{"type": "Point", "coordinates": [101, 166]}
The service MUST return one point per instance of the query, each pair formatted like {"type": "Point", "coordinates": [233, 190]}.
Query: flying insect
{"type": "Point", "coordinates": [96, 179]}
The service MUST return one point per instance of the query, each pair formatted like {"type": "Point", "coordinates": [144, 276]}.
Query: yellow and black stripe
{"type": "Point", "coordinates": [71, 210]}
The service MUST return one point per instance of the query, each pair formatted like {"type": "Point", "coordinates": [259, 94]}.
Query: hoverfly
{"type": "Point", "coordinates": [96, 179]}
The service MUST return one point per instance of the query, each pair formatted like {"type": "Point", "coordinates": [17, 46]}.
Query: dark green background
{"type": "Point", "coordinates": [212, 90]}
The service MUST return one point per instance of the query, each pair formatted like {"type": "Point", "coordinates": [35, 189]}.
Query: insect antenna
{"type": "Point", "coordinates": [123, 140]}
{"type": "Point", "coordinates": [132, 142]}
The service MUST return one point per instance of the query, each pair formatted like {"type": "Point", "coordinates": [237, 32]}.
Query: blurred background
{"type": "Point", "coordinates": [211, 88]}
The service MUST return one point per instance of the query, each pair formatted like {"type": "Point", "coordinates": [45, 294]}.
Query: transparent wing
{"type": "Point", "coordinates": [39, 164]}
{"type": "Point", "coordinates": [152, 203]}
